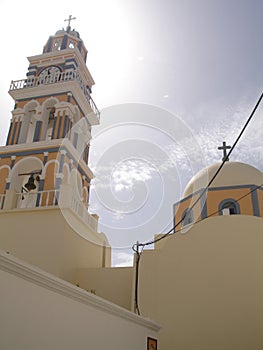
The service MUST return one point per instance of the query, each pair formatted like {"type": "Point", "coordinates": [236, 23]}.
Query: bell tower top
{"type": "Point", "coordinates": [69, 20]}
{"type": "Point", "coordinates": [66, 39]}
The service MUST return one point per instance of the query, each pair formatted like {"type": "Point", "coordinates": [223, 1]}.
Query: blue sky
{"type": "Point", "coordinates": [173, 80]}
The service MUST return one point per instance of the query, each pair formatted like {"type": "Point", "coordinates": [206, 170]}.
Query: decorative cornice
{"type": "Point", "coordinates": [45, 280]}
{"type": "Point", "coordinates": [214, 189]}
{"type": "Point", "coordinates": [33, 146]}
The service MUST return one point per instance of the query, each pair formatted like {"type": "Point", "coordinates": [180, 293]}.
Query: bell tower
{"type": "Point", "coordinates": [44, 172]}
{"type": "Point", "coordinates": [50, 131]}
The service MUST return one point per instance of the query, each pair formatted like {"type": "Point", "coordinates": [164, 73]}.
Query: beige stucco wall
{"type": "Point", "coordinates": [42, 312]}
{"type": "Point", "coordinates": [206, 287]}
{"type": "Point", "coordinates": [43, 237]}
{"type": "Point", "coordinates": [114, 284]}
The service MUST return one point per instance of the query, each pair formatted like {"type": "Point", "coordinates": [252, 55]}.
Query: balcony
{"type": "Point", "coordinates": [58, 79]}
{"type": "Point", "coordinates": [61, 199]}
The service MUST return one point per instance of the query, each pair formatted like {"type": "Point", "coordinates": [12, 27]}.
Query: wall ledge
{"type": "Point", "coordinates": [21, 269]}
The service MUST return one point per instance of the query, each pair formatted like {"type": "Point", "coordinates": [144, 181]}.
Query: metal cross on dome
{"type": "Point", "coordinates": [69, 20]}
{"type": "Point", "coordinates": [224, 149]}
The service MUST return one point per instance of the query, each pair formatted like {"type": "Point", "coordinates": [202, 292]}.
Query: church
{"type": "Point", "coordinates": [201, 286]}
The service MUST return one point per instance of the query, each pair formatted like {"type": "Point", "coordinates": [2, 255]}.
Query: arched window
{"type": "Point", "coordinates": [187, 217]}
{"type": "Point", "coordinates": [229, 207]}
{"type": "Point", "coordinates": [50, 124]}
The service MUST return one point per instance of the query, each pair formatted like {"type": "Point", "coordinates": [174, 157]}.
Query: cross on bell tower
{"type": "Point", "coordinates": [224, 148]}
{"type": "Point", "coordinates": [69, 20]}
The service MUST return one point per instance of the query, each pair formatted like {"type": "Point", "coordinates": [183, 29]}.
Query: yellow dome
{"type": "Point", "coordinates": [232, 174]}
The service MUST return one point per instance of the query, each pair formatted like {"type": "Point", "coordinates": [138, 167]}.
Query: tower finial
{"type": "Point", "coordinates": [69, 20]}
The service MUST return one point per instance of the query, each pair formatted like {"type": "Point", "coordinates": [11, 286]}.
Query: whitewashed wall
{"type": "Point", "coordinates": [40, 311]}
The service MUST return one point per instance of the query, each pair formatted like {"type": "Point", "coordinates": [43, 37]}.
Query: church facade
{"type": "Point", "coordinates": [203, 283]}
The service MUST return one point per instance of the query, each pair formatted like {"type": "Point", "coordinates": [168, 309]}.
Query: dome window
{"type": "Point", "coordinates": [187, 217]}
{"type": "Point", "coordinates": [229, 207]}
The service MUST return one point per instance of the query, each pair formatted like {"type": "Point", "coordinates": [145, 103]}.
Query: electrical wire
{"type": "Point", "coordinates": [136, 297]}
{"type": "Point", "coordinates": [138, 245]}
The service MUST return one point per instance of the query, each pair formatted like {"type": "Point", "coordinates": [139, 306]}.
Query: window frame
{"type": "Point", "coordinates": [232, 204]}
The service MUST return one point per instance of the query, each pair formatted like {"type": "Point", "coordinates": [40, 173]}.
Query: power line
{"type": "Point", "coordinates": [173, 229]}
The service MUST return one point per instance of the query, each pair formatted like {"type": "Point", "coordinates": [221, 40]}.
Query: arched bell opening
{"type": "Point", "coordinates": [25, 182]}
{"type": "Point", "coordinates": [48, 118]}
{"type": "Point", "coordinates": [75, 128]}
{"type": "Point", "coordinates": [28, 122]}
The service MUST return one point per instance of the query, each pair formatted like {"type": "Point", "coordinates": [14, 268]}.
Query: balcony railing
{"type": "Point", "coordinates": [79, 208]}
{"type": "Point", "coordinates": [37, 199]}
{"type": "Point", "coordinates": [53, 79]}
{"type": "Point", "coordinates": [50, 198]}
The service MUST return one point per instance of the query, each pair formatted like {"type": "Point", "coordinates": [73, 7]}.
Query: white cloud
{"type": "Point", "coordinates": [122, 258]}
{"type": "Point", "coordinates": [125, 174]}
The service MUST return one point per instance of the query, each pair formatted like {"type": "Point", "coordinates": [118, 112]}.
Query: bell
{"type": "Point", "coordinates": [30, 185]}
